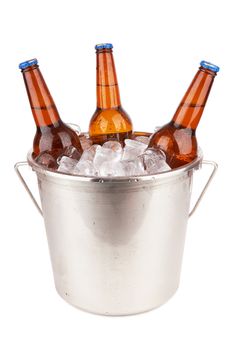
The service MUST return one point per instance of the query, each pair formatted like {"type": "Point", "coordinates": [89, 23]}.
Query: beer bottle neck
{"type": "Point", "coordinates": [190, 110]}
{"type": "Point", "coordinates": [107, 90]}
{"type": "Point", "coordinates": [43, 107]}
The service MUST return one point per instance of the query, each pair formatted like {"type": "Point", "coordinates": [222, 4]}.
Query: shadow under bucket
{"type": "Point", "coordinates": [116, 244]}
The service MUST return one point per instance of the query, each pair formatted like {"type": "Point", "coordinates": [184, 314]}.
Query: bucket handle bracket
{"type": "Point", "coordinates": [214, 166]}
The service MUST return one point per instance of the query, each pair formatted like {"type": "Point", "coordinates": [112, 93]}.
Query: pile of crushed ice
{"type": "Point", "coordinates": [134, 159]}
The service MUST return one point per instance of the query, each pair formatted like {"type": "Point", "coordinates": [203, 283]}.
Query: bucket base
{"type": "Point", "coordinates": [116, 314]}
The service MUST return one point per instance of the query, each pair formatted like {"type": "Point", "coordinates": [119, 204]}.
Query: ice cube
{"type": "Point", "coordinates": [72, 152]}
{"type": "Point", "coordinates": [89, 153]}
{"type": "Point", "coordinates": [66, 164]}
{"type": "Point", "coordinates": [154, 161]}
{"type": "Point", "coordinates": [122, 168]}
{"type": "Point", "coordinates": [85, 141]}
{"type": "Point", "coordinates": [47, 160]}
{"type": "Point", "coordinates": [75, 127]}
{"type": "Point", "coordinates": [104, 154]}
{"type": "Point", "coordinates": [130, 153]}
{"type": "Point", "coordinates": [84, 167]}
{"type": "Point", "coordinates": [143, 139]}
{"type": "Point", "coordinates": [115, 146]}
{"type": "Point", "coordinates": [132, 167]}
{"type": "Point", "coordinates": [159, 167]}
{"type": "Point", "coordinates": [111, 168]}
{"type": "Point", "coordinates": [135, 144]}
{"type": "Point", "coordinates": [133, 149]}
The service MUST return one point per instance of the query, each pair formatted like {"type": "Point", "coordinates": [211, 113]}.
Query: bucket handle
{"type": "Point", "coordinates": [18, 172]}
{"type": "Point", "coordinates": [214, 166]}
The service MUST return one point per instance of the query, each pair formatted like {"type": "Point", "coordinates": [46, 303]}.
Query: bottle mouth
{"type": "Point", "coordinates": [103, 46]}
{"type": "Point", "coordinates": [28, 63]}
{"type": "Point", "coordinates": [209, 66]}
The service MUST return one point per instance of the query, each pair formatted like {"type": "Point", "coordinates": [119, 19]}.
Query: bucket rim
{"type": "Point", "coordinates": [194, 165]}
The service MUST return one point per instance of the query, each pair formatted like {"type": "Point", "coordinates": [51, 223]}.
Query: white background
{"type": "Point", "coordinates": [157, 48]}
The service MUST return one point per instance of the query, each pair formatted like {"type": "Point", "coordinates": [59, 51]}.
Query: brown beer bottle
{"type": "Point", "coordinates": [110, 121]}
{"type": "Point", "coordinates": [52, 135]}
{"type": "Point", "coordinates": [177, 138]}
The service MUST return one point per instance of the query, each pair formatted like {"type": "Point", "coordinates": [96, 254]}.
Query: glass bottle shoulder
{"type": "Point", "coordinates": [110, 120]}
{"type": "Point", "coordinates": [55, 137]}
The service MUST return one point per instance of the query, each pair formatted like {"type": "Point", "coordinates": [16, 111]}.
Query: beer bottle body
{"type": "Point", "coordinates": [55, 139]}
{"type": "Point", "coordinates": [52, 134]}
{"type": "Point", "coordinates": [178, 143]}
{"type": "Point", "coordinates": [109, 121]}
{"type": "Point", "coordinates": [178, 138]}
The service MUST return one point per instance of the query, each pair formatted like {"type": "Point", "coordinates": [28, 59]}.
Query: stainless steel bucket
{"type": "Point", "coordinates": [116, 244]}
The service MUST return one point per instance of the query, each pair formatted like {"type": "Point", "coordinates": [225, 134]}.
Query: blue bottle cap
{"type": "Point", "coordinates": [103, 46]}
{"type": "Point", "coordinates": [209, 66]}
{"type": "Point", "coordinates": [28, 63]}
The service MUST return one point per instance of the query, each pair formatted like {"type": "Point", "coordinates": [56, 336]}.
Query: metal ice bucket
{"type": "Point", "coordinates": [116, 244]}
